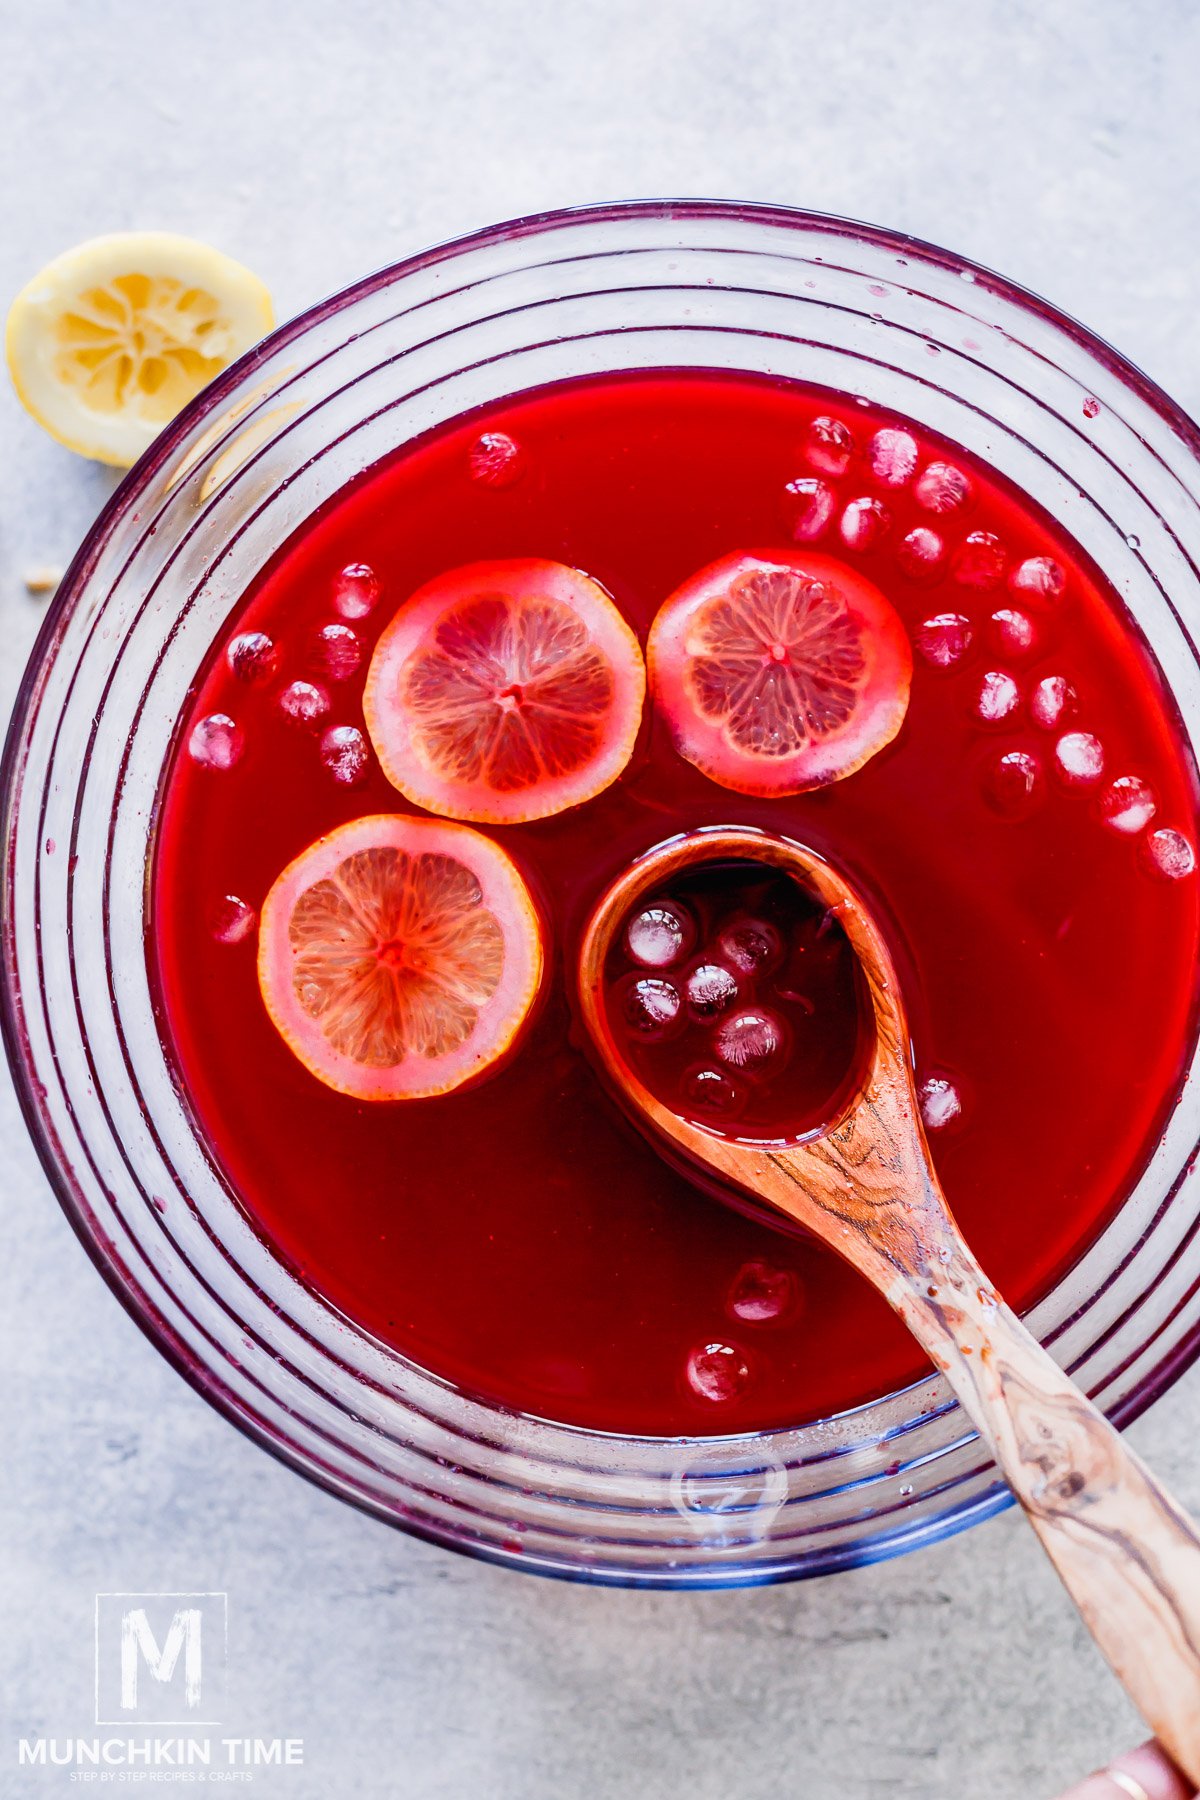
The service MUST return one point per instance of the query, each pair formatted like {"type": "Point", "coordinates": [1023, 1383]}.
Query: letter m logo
{"type": "Point", "coordinates": [160, 1658]}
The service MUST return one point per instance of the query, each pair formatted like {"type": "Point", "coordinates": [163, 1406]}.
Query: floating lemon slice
{"type": "Point", "coordinates": [781, 672]}
{"type": "Point", "coordinates": [505, 691]}
{"type": "Point", "coordinates": [399, 957]}
{"type": "Point", "coordinates": [112, 338]}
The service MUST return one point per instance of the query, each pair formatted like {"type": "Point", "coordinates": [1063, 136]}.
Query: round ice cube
{"type": "Point", "coordinates": [945, 639]}
{"type": "Point", "coordinates": [216, 742]}
{"type": "Point", "coordinates": [1039, 578]}
{"type": "Point", "coordinates": [338, 651]}
{"type": "Point", "coordinates": [710, 990]}
{"type": "Point", "coordinates": [1128, 805]}
{"type": "Point", "coordinates": [232, 920]}
{"type": "Point", "coordinates": [717, 1372]}
{"type": "Point", "coordinates": [829, 446]}
{"type": "Point", "coordinates": [980, 561]}
{"type": "Point", "coordinates": [998, 697]}
{"type": "Point", "coordinates": [305, 703]}
{"type": "Point", "coordinates": [659, 935]}
{"type": "Point", "coordinates": [494, 460]}
{"type": "Point", "coordinates": [252, 656]}
{"type": "Point", "coordinates": [941, 1102]}
{"type": "Point", "coordinates": [355, 590]}
{"type": "Point", "coordinates": [761, 1292]}
{"type": "Point", "coordinates": [892, 454]}
{"type": "Point", "coordinates": [807, 508]}
{"type": "Point", "coordinates": [941, 488]}
{"type": "Point", "coordinates": [652, 1006]}
{"type": "Point", "coordinates": [1013, 783]}
{"type": "Point", "coordinates": [752, 1040]}
{"type": "Point", "coordinates": [1013, 632]}
{"type": "Point", "coordinates": [1052, 701]}
{"type": "Point", "coordinates": [710, 1091]}
{"type": "Point", "coordinates": [344, 753]}
{"type": "Point", "coordinates": [863, 523]}
{"type": "Point", "coordinates": [920, 553]}
{"type": "Point", "coordinates": [1080, 757]}
{"type": "Point", "coordinates": [749, 946]}
{"type": "Point", "coordinates": [1169, 853]}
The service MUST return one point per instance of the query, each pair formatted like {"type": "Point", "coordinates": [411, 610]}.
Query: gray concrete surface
{"type": "Point", "coordinates": [1058, 143]}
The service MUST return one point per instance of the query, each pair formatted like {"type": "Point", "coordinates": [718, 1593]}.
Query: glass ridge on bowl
{"type": "Point", "coordinates": [646, 285]}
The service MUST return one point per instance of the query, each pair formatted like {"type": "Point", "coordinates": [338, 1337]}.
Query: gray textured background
{"type": "Point", "coordinates": [1058, 143]}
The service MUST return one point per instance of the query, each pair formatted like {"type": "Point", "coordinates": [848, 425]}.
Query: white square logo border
{"type": "Point", "coordinates": [143, 1594]}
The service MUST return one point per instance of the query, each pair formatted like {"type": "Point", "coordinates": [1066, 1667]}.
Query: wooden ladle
{"type": "Point", "coordinates": [1128, 1555]}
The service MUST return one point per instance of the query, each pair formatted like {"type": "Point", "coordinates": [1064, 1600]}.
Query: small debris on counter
{"type": "Point", "coordinates": [42, 580]}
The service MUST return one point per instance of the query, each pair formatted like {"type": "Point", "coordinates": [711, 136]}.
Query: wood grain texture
{"type": "Point", "coordinates": [1128, 1555]}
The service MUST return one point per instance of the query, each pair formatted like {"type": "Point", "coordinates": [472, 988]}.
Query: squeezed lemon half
{"type": "Point", "coordinates": [111, 339]}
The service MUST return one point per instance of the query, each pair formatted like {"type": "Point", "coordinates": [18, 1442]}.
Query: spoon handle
{"type": "Point", "coordinates": [1127, 1553]}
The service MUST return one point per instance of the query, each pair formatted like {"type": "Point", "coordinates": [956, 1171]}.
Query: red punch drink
{"type": "Point", "coordinates": [989, 753]}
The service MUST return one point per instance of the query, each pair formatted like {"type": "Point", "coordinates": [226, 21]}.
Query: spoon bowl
{"type": "Point", "coordinates": [753, 1167]}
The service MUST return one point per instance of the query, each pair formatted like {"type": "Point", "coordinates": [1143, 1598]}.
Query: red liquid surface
{"type": "Point", "coordinates": [521, 1238]}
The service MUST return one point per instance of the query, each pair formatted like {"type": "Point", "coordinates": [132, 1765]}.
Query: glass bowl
{"type": "Point", "coordinates": [647, 285]}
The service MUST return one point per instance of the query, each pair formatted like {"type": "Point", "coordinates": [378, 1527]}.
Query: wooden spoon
{"type": "Point", "coordinates": [1129, 1556]}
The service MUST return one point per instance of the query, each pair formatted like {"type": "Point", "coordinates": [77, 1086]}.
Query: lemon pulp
{"type": "Point", "coordinates": [111, 339]}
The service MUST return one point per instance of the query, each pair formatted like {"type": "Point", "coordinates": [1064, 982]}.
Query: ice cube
{"type": "Point", "coordinates": [253, 657]}
{"type": "Point", "coordinates": [807, 508]}
{"type": "Point", "coordinates": [1039, 578]}
{"type": "Point", "coordinates": [344, 753]}
{"type": "Point", "coordinates": [305, 703]}
{"type": "Point", "coordinates": [712, 1092]}
{"type": "Point", "coordinates": [216, 742]}
{"type": "Point", "coordinates": [232, 920]}
{"type": "Point", "coordinates": [941, 1102]}
{"type": "Point", "coordinates": [761, 1292]}
{"type": "Point", "coordinates": [1052, 701]}
{"type": "Point", "coordinates": [920, 553]}
{"type": "Point", "coordinates": [829, 446]}
{"type": "Point", "coordinates": [495, 460]}
{"type": "Point", "coordinates": [717, 1372]}
{"type": "Point", "coordinates": [749, 946]}
{"type": "Point", "coordinates": [659, 935]}
{"type": "Point", "coordinates": [998, 697]}
{"type": "Point", "coordinates": [892, 454]}
{"type": "Point", "coordinates": [945, 639]}
{"type": "Point", "coordinates": [1013, 783]}
{"type": "Point", "coordinates": [980, 561]}
{"type": "Point", "coordinates": [752, 1040]}
{"type": "Point", "coordinates": [1014, 632]}
{"type": "Point", "coordinates": [355, 590]}
{"type": "Point", "coordinates": [710, 990]}
{"type": "Point", "coordinates": [941, 488]}
{"type": "Point", "coordinates": [652, 1006]}
{"type": "Point", "coordinates": [1128, 805]}
{"type": "Point", "coordinates": [338, 651]}
{"type": "Point", "coordinates": [863, 523]}
{"type": "Point", "coordinates": [1169, 853]}
{"type": "Point", "coordinates": [1080, 757]}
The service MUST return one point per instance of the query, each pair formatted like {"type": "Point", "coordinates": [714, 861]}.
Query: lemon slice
{"type": "Point", "coordinates": [112, 338]}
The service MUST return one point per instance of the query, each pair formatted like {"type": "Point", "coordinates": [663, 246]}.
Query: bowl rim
{"type": "Point", "coordinates": [165, 447]}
